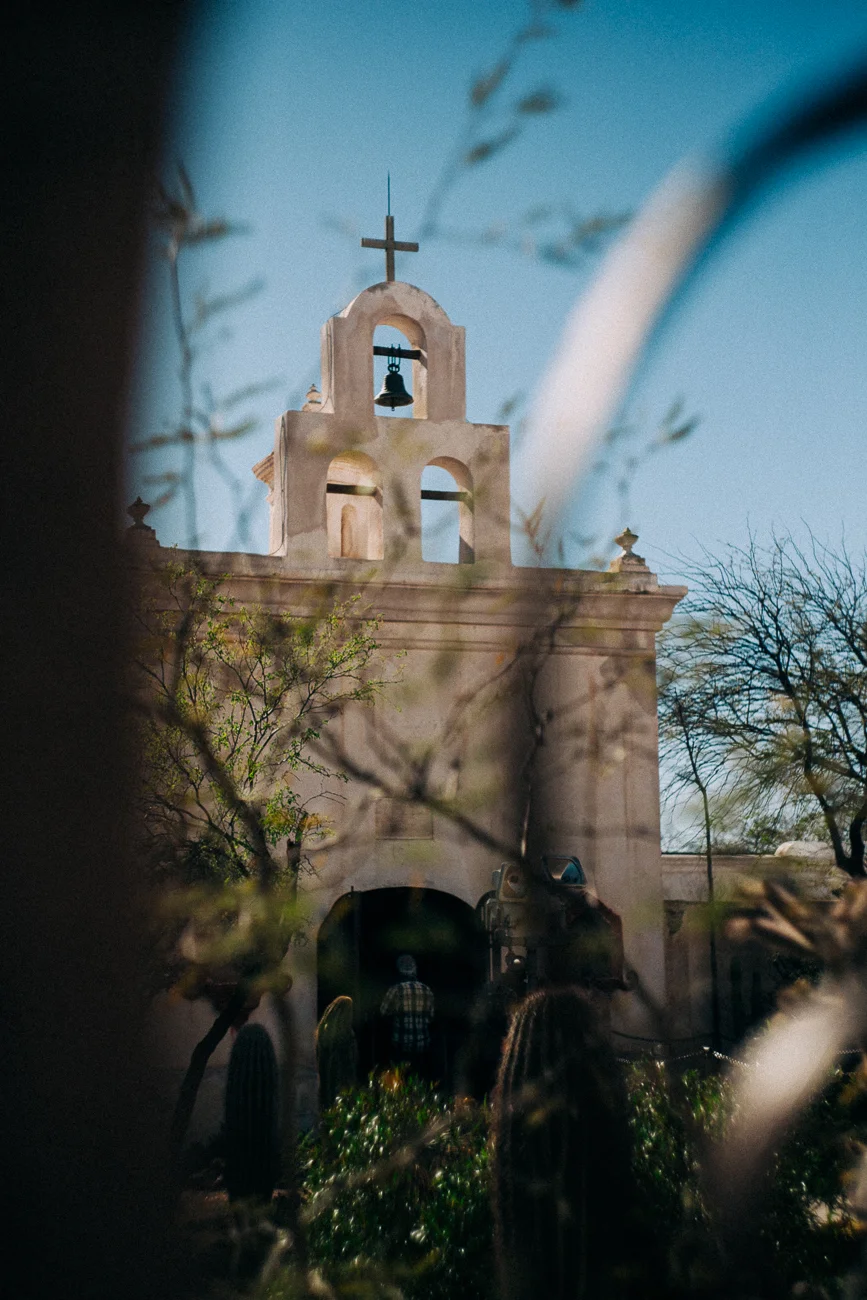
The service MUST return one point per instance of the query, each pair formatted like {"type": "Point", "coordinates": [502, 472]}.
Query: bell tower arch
{"type": "Point", "coordinates": [330, 521]}
{"type": "Point", "coordinates": [439, 383]}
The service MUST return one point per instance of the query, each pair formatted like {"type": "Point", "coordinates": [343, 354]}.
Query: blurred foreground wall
{"type": "Point", "coordinates": [83, 1206]}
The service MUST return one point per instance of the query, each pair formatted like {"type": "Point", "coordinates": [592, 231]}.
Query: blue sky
{"type": "Point", "coordinates": [288, 116]}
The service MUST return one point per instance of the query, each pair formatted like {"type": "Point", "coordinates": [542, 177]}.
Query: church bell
{"type": "Point", "coordinates": [393, 392]}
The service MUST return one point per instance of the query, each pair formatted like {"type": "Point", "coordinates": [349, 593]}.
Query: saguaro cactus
{"type": "Point", "coordinates": [336, 1050]}
{"type": "Point", "coordinates": [252, 1116]}
{"type": "Point", "coordinates": [562, 1184]}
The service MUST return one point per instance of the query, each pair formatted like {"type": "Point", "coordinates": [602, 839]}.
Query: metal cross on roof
{"type": "Point", "coordinates": [389, 244]}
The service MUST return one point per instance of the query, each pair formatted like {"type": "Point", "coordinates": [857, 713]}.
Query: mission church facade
{"type": "Point", "coordinates": [500, 664]}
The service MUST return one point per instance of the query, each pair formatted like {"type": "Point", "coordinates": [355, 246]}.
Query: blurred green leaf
{"type": "Point", "coordinates": [541, 212]}
{"type": "Point", "coordinates": [169, 476]}
{"type": "Point", "coordinates": [484, 87]}
{"type": "Point", "coordinates": [487, 148]}
{"type": "Point", "coordinates": [534, 31]}
{"type": "Point", "coordinates": [538, 101]}
{"type": "Point", "coordinates": [205, 308]}
{"type": "Point", "coordinates": [217, 433]}
{"type": "Point", "coordinates": [509, 406]}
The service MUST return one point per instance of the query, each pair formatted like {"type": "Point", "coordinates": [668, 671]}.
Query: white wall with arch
{"type": "Point", "coordinates": [447, 512]}
{"type": "Point", "coordinates": [353, 507]}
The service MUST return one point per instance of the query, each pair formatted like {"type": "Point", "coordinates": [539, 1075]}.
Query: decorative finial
{"type": "Point", "coordinates": [137, 512]}
{"type": "Point", "coordinates": [627, 561]}
{"type": "Point", "coordinates": [627, 540]}
{"type": "Point", "coordinates": [313, 400]}
{"type": "Point", "coordinates": [138, 528]}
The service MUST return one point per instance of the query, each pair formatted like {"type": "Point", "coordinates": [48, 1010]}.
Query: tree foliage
{"type": "Point", "coordinates": [233, 702]}
{"type": "Point", "coordinates": [804, 1231]}
{"type": "Point", "coordinates": [236, 699]}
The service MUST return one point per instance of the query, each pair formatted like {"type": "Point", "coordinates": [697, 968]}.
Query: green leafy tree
{"type": "Point", "coordinates": [237, 700]}
{"type": "Point", "coordinates": [233, 702]}
{"type": "Point", "coordinates": [395, 1195]}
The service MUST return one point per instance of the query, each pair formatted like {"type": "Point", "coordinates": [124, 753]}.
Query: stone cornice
{"type": "Point", "coordinates": [592, 611]}
{"type": "Point", "coordinates": [264, 469]}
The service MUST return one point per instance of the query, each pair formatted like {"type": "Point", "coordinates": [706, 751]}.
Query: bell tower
{"type": "Point", "coordinates": [345, 480]}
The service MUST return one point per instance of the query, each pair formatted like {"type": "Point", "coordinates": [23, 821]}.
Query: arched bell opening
{"type": "Point", "coordinates": [400, 368]}
{"type": "Point", "coordinates": [447, 512]}
{"type": "Point", "coordinates": [353, 507]}
{"type": "Point", "coordinates": [358, 945]}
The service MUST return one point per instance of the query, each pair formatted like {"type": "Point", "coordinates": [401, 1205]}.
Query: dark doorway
{"type": "Point", "coordinates": [357, 950]}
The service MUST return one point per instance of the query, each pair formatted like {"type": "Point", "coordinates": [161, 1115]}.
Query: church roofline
{"type": "Point", "coordinates": [516, 596]}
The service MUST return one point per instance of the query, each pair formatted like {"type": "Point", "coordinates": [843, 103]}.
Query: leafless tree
{"type": "Point", "coordinates": [772, 664]}
{"type": "Point", "coordinates": [693, 761]}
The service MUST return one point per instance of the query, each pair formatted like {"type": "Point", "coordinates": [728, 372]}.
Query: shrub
{"type": "Point", "coordinates": [423, 1229]}
{"type": "Point", "coordinates": [802, 1230]}
{"type": "Point", "coordinates": [429, 1219]}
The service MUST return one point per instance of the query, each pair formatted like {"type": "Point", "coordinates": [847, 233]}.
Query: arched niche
{"type": "Point", "coordinates": [414, 372]}
{"type": "Point", "coordinates": [447, 533]}
{"type": "Point", "coordinates": [353, 507]}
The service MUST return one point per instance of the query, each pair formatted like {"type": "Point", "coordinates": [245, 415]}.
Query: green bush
{"type": "Point", "coordinates": [428, 1221]}
{"type": "Point", "coordinates": [802, 1231]}
{"type": "Point", "coordinates": [424, 1229]}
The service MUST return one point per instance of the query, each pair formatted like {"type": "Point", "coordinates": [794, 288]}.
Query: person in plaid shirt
{"type": "Point", "coordinates": [410, 1007]}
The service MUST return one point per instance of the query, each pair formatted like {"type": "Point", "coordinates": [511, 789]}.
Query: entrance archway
{"type": "Point", "coordinates": [357, 950]}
